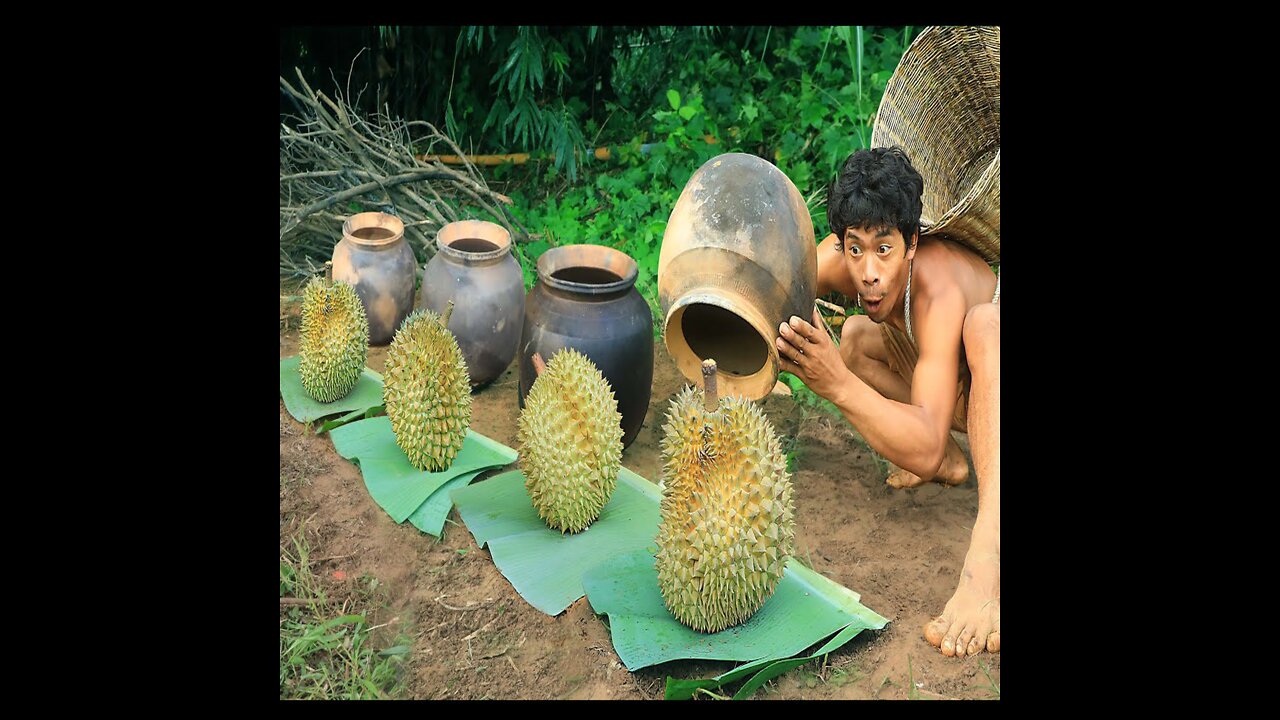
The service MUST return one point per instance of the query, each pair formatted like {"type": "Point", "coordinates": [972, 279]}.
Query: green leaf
{"type": "Point", "coordinates": [545, 566]}
{"type": "Point", "coordinates": [353, 415]}
{"type": "Point", "coordinates": [688, 111]}
{"type": "Point", "coordinates": [397, 486]}
{"type": "Point", "coordinates": [799, 614]}
{"type": "Point", "coordinates": [366, 394]}
{"type": "Point", "coordinates": [673, 97]}
{"type": "Point", "coordinates": [813, 114]}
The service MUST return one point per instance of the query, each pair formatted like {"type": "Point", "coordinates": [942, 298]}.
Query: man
{"type": "Point", "coordinates": [924, 360]}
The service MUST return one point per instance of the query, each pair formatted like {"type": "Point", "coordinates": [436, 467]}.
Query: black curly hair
{"type": "Point", "coordinates": [876, 188]}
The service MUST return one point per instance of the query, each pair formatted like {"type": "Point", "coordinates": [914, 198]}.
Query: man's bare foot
{"type": "Point", "coordinates": [953, 471]}
{"type": "Point", "coordinates": [971, 621]}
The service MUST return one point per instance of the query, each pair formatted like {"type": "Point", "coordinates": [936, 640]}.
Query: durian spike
{"type": "Point", "coordinates": [444, 318]}
{"type": "Point", "coordinates": [709, 384]}
{"type": "Point", "coordinates": [539, 366]}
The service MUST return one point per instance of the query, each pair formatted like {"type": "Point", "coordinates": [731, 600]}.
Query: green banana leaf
{"type": "Point", "coordinates": [765, 670]}
{"type": "Point", "coordinates": [544, 565]}
{"type": "Point", "coordinates": [365, 395]}
{"type": "Point", "coordinates": [401, 489]}
{"type": "Point", "coordinates": [805, 608]}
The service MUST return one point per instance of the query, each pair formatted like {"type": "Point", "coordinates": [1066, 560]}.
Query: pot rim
{"type": "Point", "coordinates": [359, 221]}
{"type": "Point", "coordinates": [586, 255]}
{"type": "Point", "coordinates": [478, 229]}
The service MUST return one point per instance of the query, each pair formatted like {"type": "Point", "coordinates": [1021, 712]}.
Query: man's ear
{"type": "Point", "coordinates": [915, 242]}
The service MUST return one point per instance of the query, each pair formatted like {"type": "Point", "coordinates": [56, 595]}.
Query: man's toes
{"type": "Point", "coordinates": [935, 630]}
{"type": "Point", "coordinates": [979, 640]}
{"type": "Point", "coordinates": [993, 642]}
{"type": "Point", "coordinates": [962, 641]}
{"type": "Point", "coordinates": [976, 645]}
{"type": "Point", "coordinates": [949, 644]}
{"type": "Point", "coordinates": [902, 479]}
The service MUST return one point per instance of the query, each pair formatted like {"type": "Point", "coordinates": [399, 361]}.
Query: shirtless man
{"type": "Point", "coordinates": [924, 360]}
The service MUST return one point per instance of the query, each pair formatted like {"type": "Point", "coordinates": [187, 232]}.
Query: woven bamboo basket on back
{"type": "Point", "coordinates": [942, 105]}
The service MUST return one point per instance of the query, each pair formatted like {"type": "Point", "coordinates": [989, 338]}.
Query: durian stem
{"type": "Point", "coordinates": [444, 319]}
{"type": "Point", "coordinates": [709, 384]}
{"type": "Point", "coordinates": [328, 273]}
{"type": "Point", "coordinates": [539, 366]}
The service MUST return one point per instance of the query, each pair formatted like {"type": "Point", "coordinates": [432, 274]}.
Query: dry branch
{"type": "Point", "coordinates": [331, 155]}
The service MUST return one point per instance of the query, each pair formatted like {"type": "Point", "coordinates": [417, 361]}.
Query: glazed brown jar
{"type": "Point", "coordinates": [586, 299]}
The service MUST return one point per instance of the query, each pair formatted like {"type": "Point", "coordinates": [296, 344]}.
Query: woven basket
{"type": "Point", "coordinates": [943, 106]}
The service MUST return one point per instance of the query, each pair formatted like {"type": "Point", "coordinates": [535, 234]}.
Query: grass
{"type": "Point", "coordinates": [326, 653]}
{"type": "Point", "coordinates": [992, 688]}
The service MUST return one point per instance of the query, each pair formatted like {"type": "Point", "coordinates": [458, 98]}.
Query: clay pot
{"type": "Point", "coordinates": [474, 268]}
{"type": "Point", "coordinates": [586, 299]}
{"type": "Point", "coordinates": [738, 259]}
{"type": "Point", "coordinates": [374, 258]}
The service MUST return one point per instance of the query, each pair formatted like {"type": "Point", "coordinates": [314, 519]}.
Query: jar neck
{"type": "Point", "coordinates": [587, 271]}
{"type": "Point", "coordinates": [373, 231]}
{"type": "Point", "coordinates": [460, 253]}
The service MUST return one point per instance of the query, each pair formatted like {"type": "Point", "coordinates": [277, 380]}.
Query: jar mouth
{"type": "Point", "coordinates": [587, 269]}
{"type": "Point", "coordinates": [473, 241]}
{"type": "Point", "coordinates": [712, 325]}
{"type": "Point", "coordinates": [373, 229]}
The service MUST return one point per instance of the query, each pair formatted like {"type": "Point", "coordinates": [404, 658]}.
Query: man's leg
{"type": "Point", "coordinates": [971, 621]}
{"type": "Point", "coordinates": [863, 350]}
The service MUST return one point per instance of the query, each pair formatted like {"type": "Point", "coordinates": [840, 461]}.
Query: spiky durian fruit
{"type": "Point", "coordinates": [570, 439]}
{"type": "Point", "coordinates": [727, 525]}
{"type": "Point", "coordinates": [427, 391]}
{"type": "Point", "coordinates": [335, 339]}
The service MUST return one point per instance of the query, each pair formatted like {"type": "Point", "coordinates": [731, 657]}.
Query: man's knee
{"type": "Point", "coordinates": [854, 337]}
{"type": "Point", "coordinates": [982, 329]}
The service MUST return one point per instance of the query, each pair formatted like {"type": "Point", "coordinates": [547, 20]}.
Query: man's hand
{"type": "Point", "coordinates": [808, 353]}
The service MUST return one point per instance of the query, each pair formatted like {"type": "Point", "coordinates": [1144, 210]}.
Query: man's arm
{"type": "Point", "coordinates": [914, 436]}
{"type": "Point", "coordinates": [832, 274]}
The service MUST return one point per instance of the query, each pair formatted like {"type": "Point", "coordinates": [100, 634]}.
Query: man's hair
{"type": "Point", "coordinates": [876, 189]}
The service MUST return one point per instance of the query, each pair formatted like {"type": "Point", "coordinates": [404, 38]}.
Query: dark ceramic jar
{"type": "Point", "coordinates": [374, 258]}
{"type": "Point", "coordinates": [474, 268]}
{"type": "Point", "coordinates": [586, 299]}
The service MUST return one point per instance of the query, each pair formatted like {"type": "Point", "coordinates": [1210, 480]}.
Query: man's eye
{"type": "Point", "coordinates": [884, 249]}
{"type": "Point", "coordinates": [855, 250]}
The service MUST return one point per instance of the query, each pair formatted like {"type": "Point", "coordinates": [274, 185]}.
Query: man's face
{"type": "Point", "coordinates": [877, 263]}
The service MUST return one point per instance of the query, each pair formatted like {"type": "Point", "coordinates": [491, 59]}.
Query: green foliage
{"type": "Point", "coordinates": [798, 101]}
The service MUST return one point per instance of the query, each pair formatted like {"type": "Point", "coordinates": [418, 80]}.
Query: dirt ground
{"type": "Point", "coordinates": [473, 637]}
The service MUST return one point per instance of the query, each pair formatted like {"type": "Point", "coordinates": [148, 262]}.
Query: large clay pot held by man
{"type": "Point", "coordinates": [586, 299]}
{"type": "Point", "coordinates": [738, 259]}
{"type": "Point", "coordinates": [474, 268]}
{"type": "Point", "coordinates": [374, 258]}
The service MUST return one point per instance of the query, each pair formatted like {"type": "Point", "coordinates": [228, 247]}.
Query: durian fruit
{"type": "Point", "coordinates": [335, 339]}
{"type": "Point", "coordinates": [427, 391]}
{"type": "Point", "coordinates": [570, 436]}
{"type": "Point", "coordinates": [727, 526]}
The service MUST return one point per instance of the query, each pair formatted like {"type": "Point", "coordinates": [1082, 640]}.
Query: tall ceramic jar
{"type": "Point", "coordinates": [374, 258]}
{"type": "Point", "coordinates": [738, 258]}
{"type": "Point", "coordinates": [586, 299]}
{"type": "Point", "coordinates": [474, 268]}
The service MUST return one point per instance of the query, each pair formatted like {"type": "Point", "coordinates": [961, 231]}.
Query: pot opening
{"type": "Point", "coordinates": [373, 233]}
{"type": "Point", "coordinates": [473, 245]}
{"type": "Point", "coordinates": [713, 332]}
{"type": "Point", "coordinates": [586, 275]}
